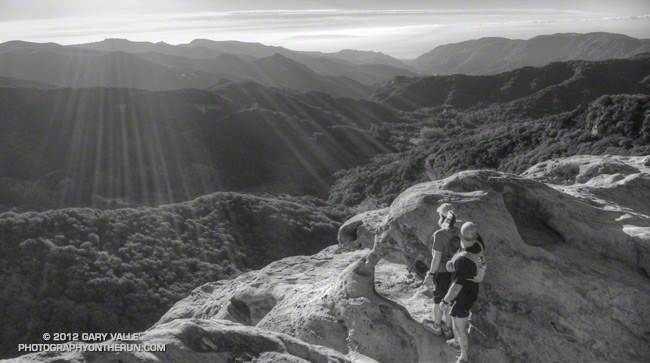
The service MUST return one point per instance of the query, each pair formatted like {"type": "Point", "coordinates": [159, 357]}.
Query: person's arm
{"type": "Point", "coordinates": [453, 292]}
{"type": "Point", "coordinates": [436, 252]}
{"type": "Point", "coordinates": [435, 261]}
{"type": "Point", "coordinates": [436, 257]}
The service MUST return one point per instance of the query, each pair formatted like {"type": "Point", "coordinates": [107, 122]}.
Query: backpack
{"type": "Point", "coordinates": [477, 258]}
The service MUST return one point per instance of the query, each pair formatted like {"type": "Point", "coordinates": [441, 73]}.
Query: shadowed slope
{"type": "Point", "coordinates": [115, 147]}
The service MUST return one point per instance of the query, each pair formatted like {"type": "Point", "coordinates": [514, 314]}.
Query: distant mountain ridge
{"type": "Point", "coordinates": [553, 88]}
{"type": "Point", "coordinates": [259, 50]}
{"type": "Point", "coordinates": [349, 73]}
{"type": "Point", "coordinates": [495, 55]}
{"type": "Point", "coordinates": [200, 64]}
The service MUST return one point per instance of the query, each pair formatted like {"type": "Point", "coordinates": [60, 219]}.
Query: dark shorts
{"type": "Point", "coordinates": [443, 281]}
{"type": "Point", "coordinates": [465, 299]}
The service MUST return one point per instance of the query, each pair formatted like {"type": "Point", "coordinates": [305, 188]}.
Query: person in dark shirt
{"type": "Point", "coordinates": [464, 289]}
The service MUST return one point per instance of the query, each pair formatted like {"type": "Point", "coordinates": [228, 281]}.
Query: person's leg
{"type": "Point", "coordinates": [443, 280]}
{"type": "Point", "coordinates": [460, 330]}
{"type": "Point", "coordinates": [460, 313]}
{"type": "Point", "coordinates": [437, 314]}
{"type": "Point", "coordinates": [448, 319]}
{"type": "Point", "coordinates": [453, 326]}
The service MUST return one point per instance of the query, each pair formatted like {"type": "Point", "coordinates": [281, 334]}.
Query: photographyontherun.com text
{"type": "Point", "coordinates": [82, 342]}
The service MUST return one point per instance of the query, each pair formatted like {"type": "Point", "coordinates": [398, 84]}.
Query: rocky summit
{"type": "Point", "coordinates": [568, 253]}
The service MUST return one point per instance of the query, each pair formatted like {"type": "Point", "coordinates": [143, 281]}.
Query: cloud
{"type": "Point", "coordinates": [322, 37]}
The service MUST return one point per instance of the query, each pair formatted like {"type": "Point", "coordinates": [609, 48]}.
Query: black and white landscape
{"type": "Point", "coordinates": [244, 202]}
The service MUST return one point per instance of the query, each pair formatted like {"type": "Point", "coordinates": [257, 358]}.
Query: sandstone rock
{"type": "Point", "coordinates": [567, 281]}
{"type": "Point", "coordinates": [359, 231]}
{"type": "Point", "coordinates": [612, 182]}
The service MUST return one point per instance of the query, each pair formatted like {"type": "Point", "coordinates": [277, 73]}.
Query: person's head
{"type": "Point", "coordinates": [468, 234]}
{"type": "Point", "coordinates": [447, 217]}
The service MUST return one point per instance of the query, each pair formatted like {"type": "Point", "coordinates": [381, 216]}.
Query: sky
{"type": "Point", "coordinates": [403, 28]}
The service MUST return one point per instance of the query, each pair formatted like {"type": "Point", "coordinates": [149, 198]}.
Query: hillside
{"type": "Point", "coordinates": [280, 70]}
{"type": "Point", "coordinates": [310, 74]}
{"type": "Point", "coordinates": [117, 69]}
{"type": "Point", "coordinates": [552, 257]}
{"type": "Point", "coordinates": [108, 148]}
{"type": "Point", "coordinates": [17, 82]}
{"type": "Point", "coordinates": [530, 91]}
{"type": "Point", "coordinates": [496, 55]}
{"type": "Point", "coordinates": [316, 106]}
{"type": "Point", "coordinates": [87, 270]}
{"type": "Point", "coordinates": [367, 57]}
{"type": "Point", "coordinates": [456, 141]}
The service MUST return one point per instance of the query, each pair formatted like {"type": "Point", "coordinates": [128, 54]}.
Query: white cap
{"type": "Point", "coordinates": [444, 209]}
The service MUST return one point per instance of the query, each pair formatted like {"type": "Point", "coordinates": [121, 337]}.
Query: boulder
{"type": "Point", "coordinates": [359, 231]}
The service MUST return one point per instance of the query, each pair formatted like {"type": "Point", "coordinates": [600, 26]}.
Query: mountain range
{"type": "Point", "coordinates": [205, 63]}
{"type": "Point", "coordinates": [200, 64]}
{"type": "Point", "coordinates": [494, 55]}
{"type": "Point", "coordinates": [249, 137]}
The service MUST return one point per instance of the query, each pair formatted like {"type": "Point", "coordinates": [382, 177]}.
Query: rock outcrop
{"type": "Point", "coordinates": [618, 182]}
{"type": "Point", "coordinates": [198, 340]}
{"type": "Point", "coordinates": [567, 280]}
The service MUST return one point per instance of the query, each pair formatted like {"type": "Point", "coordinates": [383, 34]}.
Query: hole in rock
{"type": "Point", "coordinates": [240, 311]}
{"type": "Point", "coordinates": [354, 233]}
{"type": "Point", "coordinates": [351, 232]}
{"type": "Point", "coordinates": [530, 224]}
{"type": "Point", "coordinates": [250, 310]}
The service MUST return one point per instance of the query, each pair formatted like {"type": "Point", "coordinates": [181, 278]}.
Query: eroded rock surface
{"type": "Point", "coordinates": [612, 182]}
{"type": "Point", "coordinates": [328, 299]}
{"type": "Point", "coordinates": [198, 340]}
